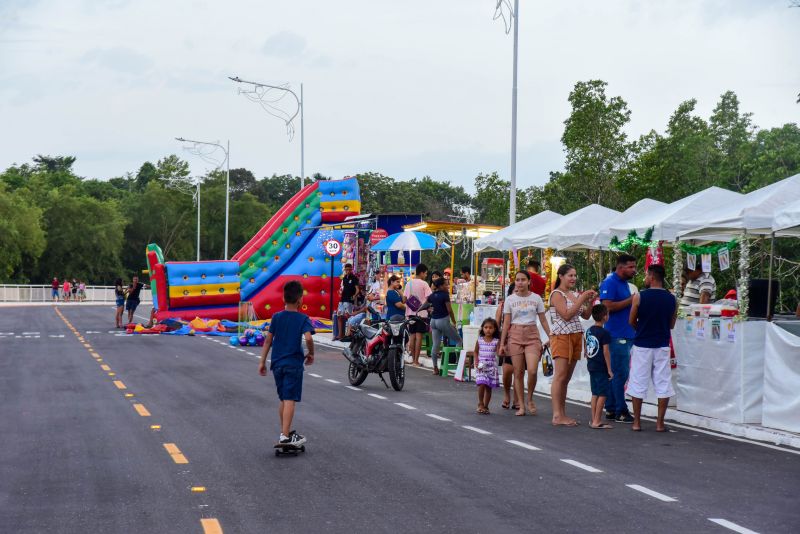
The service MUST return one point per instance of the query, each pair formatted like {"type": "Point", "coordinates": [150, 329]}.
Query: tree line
{"type": "Point", "coordinates": [56, 223]}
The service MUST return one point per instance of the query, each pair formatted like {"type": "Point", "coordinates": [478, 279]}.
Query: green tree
{"type": "Point", "coordinates": [732, 133]}
{"type": "Point", "coordinates": [774, 155]}
{"type": "Point", "coordinates": [22, 239]}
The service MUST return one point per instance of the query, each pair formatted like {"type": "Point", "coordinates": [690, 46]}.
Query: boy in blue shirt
{"type": "Point", "coordinates": [286, 331]}
{"type": "Point", "coordinates": [598, 363]}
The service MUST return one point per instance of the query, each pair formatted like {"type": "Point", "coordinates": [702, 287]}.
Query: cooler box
{"type": "Point", "coordinates": [470, 336]}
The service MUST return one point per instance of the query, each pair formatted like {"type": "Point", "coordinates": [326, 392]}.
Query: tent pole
{"type": "Point", "coordinates": [769, 277]}
{"type": "Point", "coordinates": [474, 274]}
{"type": "Point", "coordinates": [452, 264]}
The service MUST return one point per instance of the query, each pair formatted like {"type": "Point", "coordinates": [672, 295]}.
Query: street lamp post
{"type": "Point", "coordinates": [260, 94]}
{"type": "Point", "coordinates": [514, 14]}
{"type": "Point", "coordinates": [205, 157]}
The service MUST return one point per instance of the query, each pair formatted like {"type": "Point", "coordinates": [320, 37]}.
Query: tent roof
{"type": "Point", "coordinates": [647, 205]}
{"type": "Point", "coordinates": [669, 220]}
{"type": "Point", "coordinates": [753, 213]}
{"type": "Point", "coordinates": [500, 240]}
{"type": "Point", "coordinates": [787, 218]}
{"type": "Point", "coordinates": [575, 230]}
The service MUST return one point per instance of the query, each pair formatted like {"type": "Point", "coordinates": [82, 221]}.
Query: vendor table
{"type": "Point", "coordinates": [782, 376]}
{"type": "Point", "coordinates": [720, 368]}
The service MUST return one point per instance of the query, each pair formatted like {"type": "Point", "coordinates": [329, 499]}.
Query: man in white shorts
{"type": "Point", "coordinates": [653, 315]}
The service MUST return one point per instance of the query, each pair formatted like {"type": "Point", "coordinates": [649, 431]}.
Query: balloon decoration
{"type": "Point", "coordinates": [654, 256]}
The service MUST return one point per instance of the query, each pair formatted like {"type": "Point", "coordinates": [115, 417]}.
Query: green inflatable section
{"type": "Point", "coordinates": [300, 217]}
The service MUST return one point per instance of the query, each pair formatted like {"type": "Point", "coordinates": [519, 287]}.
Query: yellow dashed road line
{"type": "Point", "coordinates": [211, 526]}
{"type": "Point", "coordinates": [175, 453]}
{"type": "Point", "coordinates": [141, 410]}
{"type": "Point", "coordinates": [119, 384]}
{"type": "Point", "coordinates": [105, 367]}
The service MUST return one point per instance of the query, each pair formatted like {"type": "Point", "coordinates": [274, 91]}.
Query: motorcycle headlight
{"type": "Point", "coordinates": [396, 327]}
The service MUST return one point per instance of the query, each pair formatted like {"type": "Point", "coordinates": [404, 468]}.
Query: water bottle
{"type": "Point", "coordinates": [472, 317]}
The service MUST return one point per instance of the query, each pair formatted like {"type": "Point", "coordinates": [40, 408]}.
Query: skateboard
{"type": "Point", "coordinates": [280, 449]}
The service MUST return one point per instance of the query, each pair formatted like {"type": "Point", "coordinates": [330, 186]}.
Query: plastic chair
{"type": "Point", "coordinates": [445, 364]}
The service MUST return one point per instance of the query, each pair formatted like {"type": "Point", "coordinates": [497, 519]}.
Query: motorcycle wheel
{"type": "Point", "coordinates": [397, 371]}
{"type": "Point", "coordinates": [356, 375]}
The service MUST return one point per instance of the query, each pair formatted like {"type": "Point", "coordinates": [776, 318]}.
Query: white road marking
{"type": "Point", "coordinates": [93, 332]}
{"type": "Point", "coordinates": [732, 526]}
{"type": "Point", "coordinates": [30, 333]}
{"type": "Point", "coordinates": [241, 350]}
{"type": "Point", "coordinates": [474, 429]}
{"type": "Point", "coordinates": [406, 406]}
{"type": "Point", "coordinates": [113, 331]}
{"type": "Point", "coordinates": [523, 445]}
{"type": "Point", "coordinates": [437, 417]}
{"type": "Point", "coordinates": [647, 491]}
{"type": "Point", "coordinates": [353, 388]}
{"type": "Point", "coordinates": [581, 466]}
{"type": "Point", "coordinates": [332, 381]}
{"type": "Point", "coordinates": [376, 396]}
{"type": "Point", "coordinates": [315, 375]}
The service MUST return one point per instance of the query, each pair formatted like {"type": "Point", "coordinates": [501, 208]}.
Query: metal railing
{"type": "Point", "coordinates": [43, 293]}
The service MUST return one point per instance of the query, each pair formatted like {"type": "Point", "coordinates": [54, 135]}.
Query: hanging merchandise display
{"type": "Point", "coordinates": [633, 240]}
{"type": "Point", "coordinates": [654, 256]}
{"type": "Point", "coordinates": [677, 269]}
{"type": "Point", "coordinates": [705, 262]}
{"type": "Point", "coordinates": [691, 262]}
{"type": "Point", "coordinates": [724, 257]}
{"type": "Point", "coordinates": [548, 272]}
{"type": "Point", "coordinates": [708, 249]}
{"type": "Point", "coordinates": [743, 291]}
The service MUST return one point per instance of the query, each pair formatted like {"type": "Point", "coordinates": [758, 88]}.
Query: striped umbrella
{"type": "Point", "coordinates": [407, 241]}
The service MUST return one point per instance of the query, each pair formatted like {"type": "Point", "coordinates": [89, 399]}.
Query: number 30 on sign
{"type": "Point", "coordinates": [333, 247]}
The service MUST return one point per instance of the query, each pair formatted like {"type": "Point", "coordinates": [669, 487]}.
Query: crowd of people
{"type": "Point", "coordinates": [628, 344]}
{"type": "Point", "coordinates": [68, 290]}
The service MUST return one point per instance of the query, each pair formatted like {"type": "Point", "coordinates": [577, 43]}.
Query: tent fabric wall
{"type": "Point", "coordinates": [754, 213]}
{"type": "Point", "coordinates": [576, 230]}
{"type": "Point", "coordinates": [670, 220]}
{"type": "Point", "coordinates": [782, 377]}
{"type": "Point", "coordinates": [602, 238]}
{"type": "Point", "coordinates": [501, 240]}
{"type": "Point", "coordinates": [787, 217]}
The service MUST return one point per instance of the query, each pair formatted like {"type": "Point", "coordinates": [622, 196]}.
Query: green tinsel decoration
{"type": "Point", "coordinates": [632, 240]}
{"type": "Point", "coordinates": [708, 249]}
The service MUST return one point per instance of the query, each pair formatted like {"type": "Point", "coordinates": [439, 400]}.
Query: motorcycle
{"type": "Point", "coordinates": [378, 348]}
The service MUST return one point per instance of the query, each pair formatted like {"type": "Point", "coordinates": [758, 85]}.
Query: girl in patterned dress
{"type": "Point", "coordinates": [485, 356]}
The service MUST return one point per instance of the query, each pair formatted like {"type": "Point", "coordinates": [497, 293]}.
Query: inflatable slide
{"type": "Point", "coordinates": [290, 246]}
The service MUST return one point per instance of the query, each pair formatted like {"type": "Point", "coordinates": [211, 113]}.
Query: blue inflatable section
{"type": "Point", "coordinates": [203, 272]}
{"type": "Point", "coordinates": [345, 188]}
{"type": "Point", "coordinates": [312, 260]}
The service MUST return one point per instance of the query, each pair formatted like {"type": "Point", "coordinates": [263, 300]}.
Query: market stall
{"type": "Point", "coordinates": [782, 376]}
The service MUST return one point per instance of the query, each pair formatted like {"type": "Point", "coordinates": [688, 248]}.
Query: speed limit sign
{"type": "Point", "coordinates": [333, 247]}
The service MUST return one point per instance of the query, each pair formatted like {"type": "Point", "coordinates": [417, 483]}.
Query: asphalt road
{"type": "Point", "coordinates": [83, 450]}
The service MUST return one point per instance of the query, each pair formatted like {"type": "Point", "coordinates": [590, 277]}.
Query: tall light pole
{"type": "Point", "coordinates": [514, 14]}
{"type": "Point", "coordinates": [196, 149]}
{"type": "Point", "coordinates": [260, 93]}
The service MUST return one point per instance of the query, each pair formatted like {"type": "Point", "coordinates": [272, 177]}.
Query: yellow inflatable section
{"type": "Point", "coordinates": [341, 205]}
{"type": "Point", "coordinates": [204, 289]}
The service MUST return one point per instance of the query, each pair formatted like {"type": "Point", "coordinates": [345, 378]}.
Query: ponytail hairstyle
{"type": "Point", "coordinates": [564, 269]}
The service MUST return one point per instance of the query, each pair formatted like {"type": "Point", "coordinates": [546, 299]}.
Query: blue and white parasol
{"type": "Point", "coordinates": [408, 241]}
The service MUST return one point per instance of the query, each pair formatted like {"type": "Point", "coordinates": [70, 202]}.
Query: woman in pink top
{"type": "Point", "coordinates": [419, 289]}
{"type": "Point", "coordinates": [67, 290]}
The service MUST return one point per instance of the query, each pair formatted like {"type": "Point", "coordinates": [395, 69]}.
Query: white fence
{"type": "Point", "coordinates": [34, 293]}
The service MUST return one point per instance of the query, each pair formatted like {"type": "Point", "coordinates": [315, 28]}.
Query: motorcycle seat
{"type": "Point", "coordinates": [368, 331]}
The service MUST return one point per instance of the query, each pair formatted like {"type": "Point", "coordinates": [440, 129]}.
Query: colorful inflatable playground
{"type": "Point", "coordinates": [204, 296]}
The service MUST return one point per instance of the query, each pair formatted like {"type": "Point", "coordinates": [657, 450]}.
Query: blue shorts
{"type": "Point", "coordinates": [600, 383]}
{"type": "Point", "coordinates": [289, 381]}
{"type": "Point", "coordinates": [132, 304]}
{"type": "Point", "coordinates": [120, 301]}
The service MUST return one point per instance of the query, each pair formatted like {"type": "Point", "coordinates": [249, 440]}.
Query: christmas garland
{"type": "Point", "coordinates": [743, 291]}
{"type": "Point", "coordinates": [633, 240]}
{"type": "Point", "coordinates": [677, 269]}
{"type": "Point", "coordinates": [708, 249]}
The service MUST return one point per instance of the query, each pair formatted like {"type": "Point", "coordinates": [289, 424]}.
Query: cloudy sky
{"type": "Point", "coordinates": [407, 88]}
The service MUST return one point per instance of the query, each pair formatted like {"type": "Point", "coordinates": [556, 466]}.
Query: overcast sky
{"type": "Point", "coordinates": [407, 88]}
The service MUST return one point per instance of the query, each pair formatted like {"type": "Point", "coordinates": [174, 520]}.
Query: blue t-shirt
{"type": "Point", "coordinates": [654, 318]}
{"type": "Point", "coordinates": [616, 289]}
{"type": "Point", "coordinates": [287, 329]}
{"type": "Point", "coordinates": [597, 337]}
{"type": "Point", "coordinates": [392, 298]}
{"type": "Point", "coordinates": [439, 299]}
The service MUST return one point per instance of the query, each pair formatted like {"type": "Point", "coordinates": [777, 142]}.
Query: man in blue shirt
{"type": "Point", "coordinates": [287, 329]}
{"type": "Point", "coordinates": [616, 297]}
{"type": "Point", "coordinates": [653, 315]}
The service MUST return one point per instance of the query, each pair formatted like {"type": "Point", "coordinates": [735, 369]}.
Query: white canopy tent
{"type": "Point", "coordinates": [754, 213]}
{"type": "Point", "coordinates": [573, 231]}
{"type": "Point", "coordinates": [602, 238]}
{"type": "Point", "coordinates": [669, 220]}
{"type": "Point", "coordinates": [501, 240]}
{"type": "Point", "coordinates": [787, 218]}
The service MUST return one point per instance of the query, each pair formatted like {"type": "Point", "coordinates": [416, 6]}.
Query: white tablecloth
{"type": "Point", "coordinates": [782, 376]}
{"type": "Point", "coordinates": [720, 376]}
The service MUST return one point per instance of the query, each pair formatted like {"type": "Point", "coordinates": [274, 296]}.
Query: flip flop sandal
{"type": "Point", "coordinates": [519, 413]}
{"type": "Point", "coordinates": [505, 405]}
{"type": "Point", "coordinates": [636, 429]}
{"type": "Point", "coordinates": [601, 426]}
{"type": "Point", "coordinates": [665, 429]}
{"type": "Point", "coordinates": [532, 410]}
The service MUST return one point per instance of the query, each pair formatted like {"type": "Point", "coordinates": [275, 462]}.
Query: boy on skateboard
{"type": "Point", "coordinates": [286, 331]}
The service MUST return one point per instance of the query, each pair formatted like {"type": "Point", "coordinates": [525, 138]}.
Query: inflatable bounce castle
{"type": "Point", "coordinates": [289, 247]}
